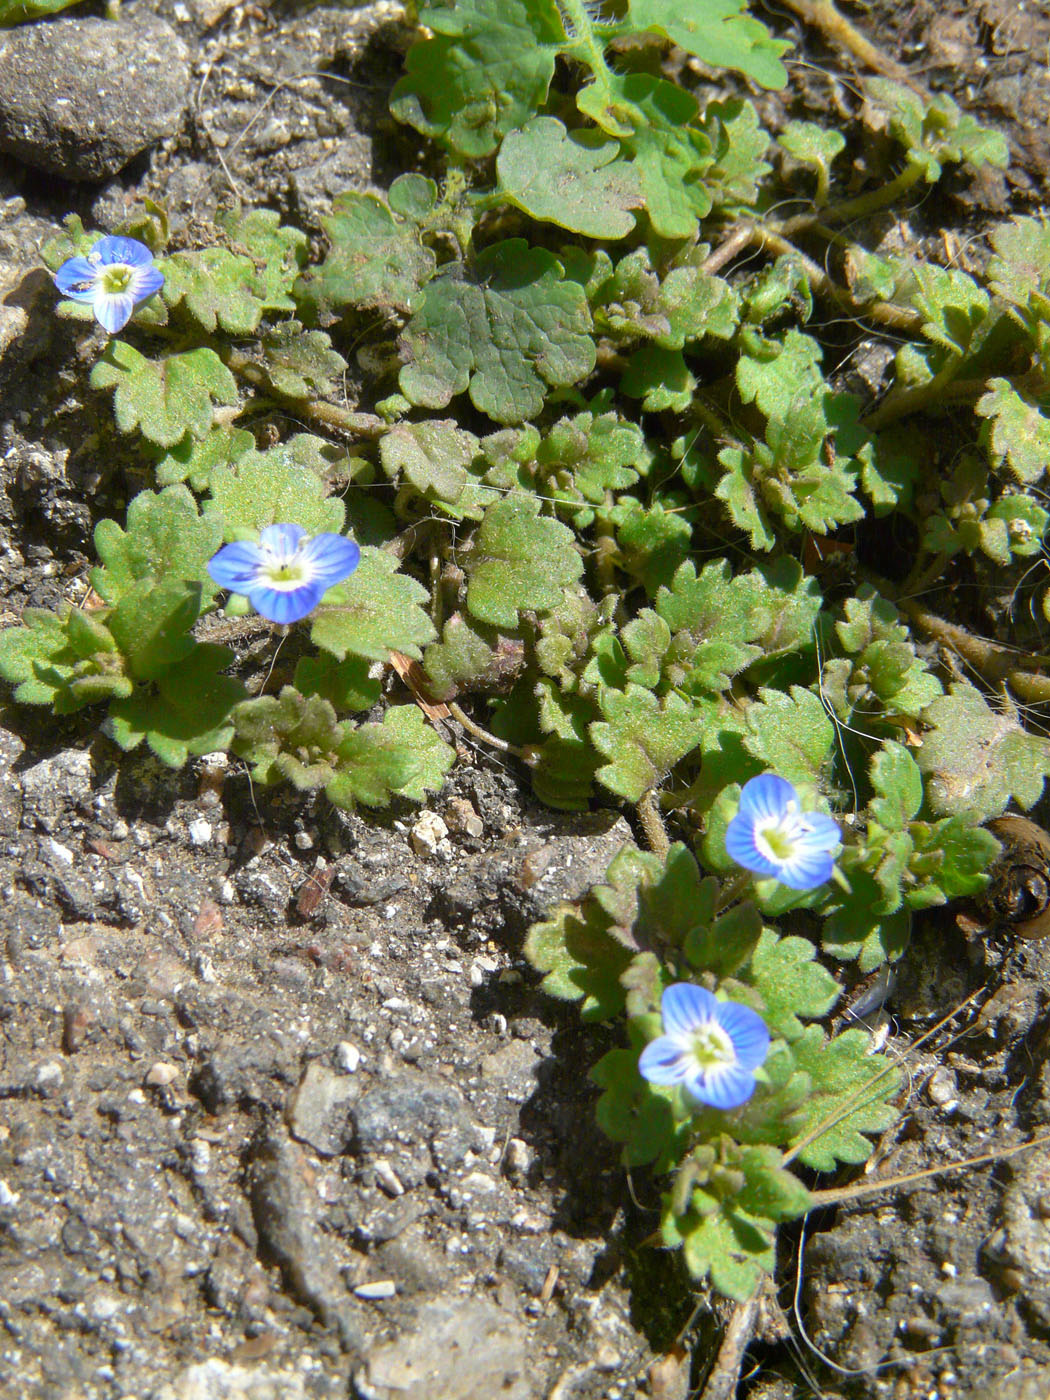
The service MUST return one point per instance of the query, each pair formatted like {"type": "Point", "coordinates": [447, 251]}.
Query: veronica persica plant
{"type": "Point", "coordinates": [771, 835]}
{"type": "Point", "coordinates": [285, 574]}
{"type": "Point", "coordinates": [115, 276]}
{"type": "Point", "coordinates": [710, 1047]}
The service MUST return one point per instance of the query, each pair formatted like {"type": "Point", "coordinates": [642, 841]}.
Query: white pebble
{"type": "Point", "coordinates": [428, 833]}
{"type": "Point", "coordinates": [61, 853]}
{"type": "Point", "coordinates": [199, 832]}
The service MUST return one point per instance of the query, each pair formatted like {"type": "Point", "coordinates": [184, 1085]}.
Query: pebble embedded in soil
{"type": "Point", "coordinates": [80, 98]}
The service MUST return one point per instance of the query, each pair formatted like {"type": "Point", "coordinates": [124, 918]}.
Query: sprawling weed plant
{"type": "Point", "coordinates": [602, 450]}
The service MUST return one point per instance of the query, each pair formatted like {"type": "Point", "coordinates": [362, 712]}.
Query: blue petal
{"type": "Point", "coordinates": [76, 272]}
{"type": "Point", "coordinates": [822, 833]}
{"type": "Point", "coordinates": [740, 846]}
{"type": "Point", "coordinates": [685, 1007]}
{"type": "Point", "coordinates": [748, 1032]}
{"type": "Point", "coordinates": [285, 604]}
{"type": "Point", "coordinates": [144, 282]}
{"type": "Point", "coordinates": [726, 1087]}
{"type": "Point", "coordinates": [116, 249]}
{"type": "Point", "coordinates": [113, 310]}
{"type": "Point", "coordinates": [766, 798]}
{"type": "Point", "coordinates": [331, 558]}
{"type": "Point", "coordinates": [281, 540]}
{"type": "Point", "coordinates": [806, 870]}
{"type": "Point", "coordinates": [663, 1061]}
{"type": "Point", "coordinates": [236, 566]}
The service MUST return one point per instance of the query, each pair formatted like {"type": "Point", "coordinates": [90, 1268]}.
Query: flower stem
{"type": "Point", "coordinates": [475, 729]}
{"type": "Point", "coordinates": [732, 890]}
{"type": "Point", "coordinates": [327, 415]}
{"type": "Point", "coordinates": [587, 48]}
{"type": "Point", "coordinates": [823, 15]}
{"type": "Point", "coordinates": [653, 823]}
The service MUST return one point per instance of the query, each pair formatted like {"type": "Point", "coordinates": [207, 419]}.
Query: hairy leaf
{"type": "Point", "coordinates": [374, 612]}
{"type": "Point", "coordinates": [506, 332]}
{"type": "Point", "coordinates": [165, 399]}
{"type": "Point", "coordinates": [520, 561]}
{"type": "Point", "coordinates": [165, 537]}
{"type": "Point", "coordinates": [720, 32]}
{"type": "Point", "coordinates": [484, 72]}
{"type": "Point", "coordinates": [374, 259]}
{"type": "Point", "coordinates": [577, 179]}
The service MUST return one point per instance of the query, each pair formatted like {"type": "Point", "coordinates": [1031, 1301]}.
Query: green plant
{"type": "Point", "coordinates": [577, 397]}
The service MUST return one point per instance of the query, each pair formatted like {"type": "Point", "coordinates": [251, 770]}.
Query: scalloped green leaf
{"type": "Point", "coordinates": [851, 1089]}
{"type": "Point", "coordinates": [433, 456]}
{"type": "Point", "coordinates": [401, 756]}
{"type": "Point", "coordinates": [520, 561]}
{"type": "Point", "coordinates": [485, 70]}
{"type": "Point", "coordinates": [277, 252]}
{"type": "Point", "coordinates": [976, 759]}
{"type": "Point", "coordinates": [374, 612]}
{"type": "Point", "coordinates": [194, 459]}
{"type": "Point", "coordinates": [374, 259]}
{"type": "Point", "coordinates": [643, 737]}
{"type": "Point", "coordinates": [301, 364]}
{"type": "Point", "coordinates": [267, 488]}
{"type": "Point", "coordinates": [721, 32]}
{"type": "Point", "coordinates": [167, 398]}
{"type": "Point", "coordinates": [791, 983]}
{"type": "Point", "coordinates": [187, 712]}
{"type": "Point", "coordinates": [790, 734]}
{"type": "Point", "coordinates": [1016, 433]}
{"type": "Point", "coordinates": [656, 123]}
{"type": "Point", "coordinates": [214, 287]}
{"type": "Point", "coordinates": [506, 332]}
{"type": "Point", "coordinates": [576, 179]}
{"type": "Point", "coordinates": [165, 537]}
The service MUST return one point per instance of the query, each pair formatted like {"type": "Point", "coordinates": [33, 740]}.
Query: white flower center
{"type": "Point", "coordinates": [284, 572]}
{"type": "Point", "coordinates": [776, 837]}
{"type": "Point", "coordinates": [115, 279]}
{"type": "Point", "coordinates": [711, 1046]}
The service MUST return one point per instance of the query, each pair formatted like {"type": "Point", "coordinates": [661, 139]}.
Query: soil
{"type": "Point", "coordinates": [284, 1111]}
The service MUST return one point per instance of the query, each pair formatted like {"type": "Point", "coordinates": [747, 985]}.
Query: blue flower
{"type": "Point", "coordinates": [711, 1047]}
{"type": "Point", "coordinates": [770, 835]}
{"type": "Point", "coordinates": [115, 276]}
{"type": "Point", "coordinates": [285, 574]}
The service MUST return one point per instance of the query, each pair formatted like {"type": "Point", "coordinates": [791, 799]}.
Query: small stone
{"type": "Point", "coordinates": [80, 98]}
{"type": "Point", "coordinates": [476, 1183]}
{"type": "Point", "coordinates": [200, 1157]}
{"type": "Point", "coordinates": [387, 1178]}
{"type": "Point", "coordinates": [303, 841]}
{"type": "Point", "coordinates": [456, 1348]}
{"type": "Point", "coordinates": [319, 1110]}
{"type": "Point", "coordinates": [200, 832]}
{"type": "Point", "coordinates": [427, 834]}
{"type": "Point", "coordinates": [941, 1089]}
{"type": "Point", "coordinates": [55, 785]}
{"type": "Point", "coordinates": [463, 819]}
{"type": "Point", "coordinates": [47, 1077]}
{"type": "Point", "coordinates": [347, 1057]}
{"type": "Point", "coordinates": [225, 892]}
{"type": "Point", "coordinates": [414, 1108]}
{"type": "Point", "coordinates": [517, 1159]}
{"type": "Point", "coordinates": [161, 1074]}
{"type": "Point", "coordinates": [61, 853]}
{"type": "Point", "coordinates": [382, 1288]}
{"type": "Point", "coordinates": [215, 1379]}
